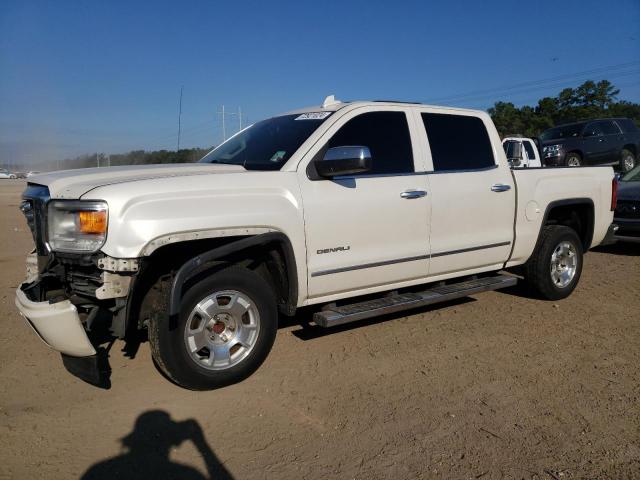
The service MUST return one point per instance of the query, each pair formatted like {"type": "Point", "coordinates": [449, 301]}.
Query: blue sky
{"type": "Point", "coordinates": [91, 76]}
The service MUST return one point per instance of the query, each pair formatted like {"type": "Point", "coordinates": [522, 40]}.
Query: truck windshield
{"type": "Point", "coordinates": [268, 144]}
{"type": "Point", "coordinates": [565, 131]}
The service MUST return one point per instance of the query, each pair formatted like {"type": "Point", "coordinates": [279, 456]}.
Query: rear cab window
{"type": "Point", "coordinates": [458, 142]}
{"type": "Point", "coordinates": [528, 146]}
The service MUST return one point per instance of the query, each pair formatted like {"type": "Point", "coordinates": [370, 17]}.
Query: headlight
{"type": "Point", "coordinates": [78, 226]}
{"type": "Point", "coordinates": [551, 150]}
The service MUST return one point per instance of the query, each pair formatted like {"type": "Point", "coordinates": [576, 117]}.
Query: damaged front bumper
{"type": "Point", "coordinates": [57, 324]}
{"type": "Point", "coordinates": [75, 305]}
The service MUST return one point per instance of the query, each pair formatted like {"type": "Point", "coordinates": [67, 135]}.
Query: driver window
{"type": "Point", "coordinates": [387, 136]}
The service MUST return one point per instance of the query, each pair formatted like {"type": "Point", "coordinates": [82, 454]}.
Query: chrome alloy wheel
{"type": "Point", "coordinates": [573, 162]}
{"type": "Point", "coordinates": [564, 263]}
{"type": "Point", "coordinates": [222, 329]}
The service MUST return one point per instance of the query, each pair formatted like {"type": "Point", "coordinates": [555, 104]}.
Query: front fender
{"type": "Point", "coordinates": [146, 214]}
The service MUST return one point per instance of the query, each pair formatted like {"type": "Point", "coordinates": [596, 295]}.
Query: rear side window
{"type": "Point", "coordinates": [387, 136]}
{"type": "Point", "coordinates": [528, 146]}
{"type": "Point", "coordinates": [458, 142]}
{"type": "Point", "coordinates": [608, 127]}
{"type": "Point", "coordinates": [627, 125]}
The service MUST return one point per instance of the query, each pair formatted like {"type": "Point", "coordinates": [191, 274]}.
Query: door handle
{"type": "Point", "coordinates": [409, 194]}
{"type": "Point", "coordinates": [500, 187]}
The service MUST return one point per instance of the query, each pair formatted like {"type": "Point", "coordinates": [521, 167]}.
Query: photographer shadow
{"type": "Point", "coordinates": [147, 452]}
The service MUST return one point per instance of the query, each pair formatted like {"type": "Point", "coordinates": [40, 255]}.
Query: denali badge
{"type": "Point", "coordinates": [334, 249]}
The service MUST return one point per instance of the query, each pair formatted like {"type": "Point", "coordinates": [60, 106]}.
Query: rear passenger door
{"type": "Point", "coordinates": [612, 142]}
{"type": "Point", "coordinates": [472, 195]}
{"type": "Point", "coordinates": [595, 144]}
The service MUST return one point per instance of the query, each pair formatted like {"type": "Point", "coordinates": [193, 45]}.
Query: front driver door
{"type": "Point", "coordinates": [365, 232]}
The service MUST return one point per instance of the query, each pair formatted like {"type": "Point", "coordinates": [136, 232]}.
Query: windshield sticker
{"type": "Point", "coordinates": [313, 116]}
{"type": "Point", "coordinates": [279, 155]}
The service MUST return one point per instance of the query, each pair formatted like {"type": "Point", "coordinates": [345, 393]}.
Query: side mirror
{"type": "Point", "coordinates": [515, 153]}
{"type": "Point", "coordinates": [347, 160]}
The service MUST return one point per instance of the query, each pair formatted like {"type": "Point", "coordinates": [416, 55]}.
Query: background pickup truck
{"type": "Point", "coordinates": [359, 208]}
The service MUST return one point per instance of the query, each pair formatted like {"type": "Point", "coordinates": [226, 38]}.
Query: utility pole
{"type": "Point", "coordinates": [179, 116]}
{"type": "Point", "coordinates": [224, 114]}
{"type": "Point", "coordinates": [97, 160]}
{"type": "Point", "coordinates": [224, 131]}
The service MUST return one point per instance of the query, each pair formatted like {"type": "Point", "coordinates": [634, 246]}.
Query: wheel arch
{"type": "Point", "coordinates": [577, 151]}
{"type": "Point", "coordinates": [271, 253]}
{"type": "Point", "coordinates": [631, 147]}
{"type": "Point", "coordinates": [577, 213]}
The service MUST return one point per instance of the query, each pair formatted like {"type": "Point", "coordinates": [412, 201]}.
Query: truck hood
{"type": "Point", "coordinates": [72, 184]}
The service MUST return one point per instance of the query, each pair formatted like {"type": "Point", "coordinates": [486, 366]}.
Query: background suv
{"type": "Point", "coordinates": [612, 141]}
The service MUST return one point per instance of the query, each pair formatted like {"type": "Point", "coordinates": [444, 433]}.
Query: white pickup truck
{"type": "Point", "coordinates": [358, 208]}
{"type": "Point", "coordinates": [521, 152]}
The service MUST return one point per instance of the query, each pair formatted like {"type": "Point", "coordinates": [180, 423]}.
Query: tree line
{"type": "Point", "coordinates": [589, 100]}
{"type": "Point", "coordinates": [135, 157]}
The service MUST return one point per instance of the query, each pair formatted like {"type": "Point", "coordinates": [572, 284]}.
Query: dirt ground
{"type": "Point", "coordinates": [495, 386]}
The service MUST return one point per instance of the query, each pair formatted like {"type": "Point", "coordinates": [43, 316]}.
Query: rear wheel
{"type": "Point", "coordinates": [573, 160]}
{"type": "Point", "coordinates": [225, 330]}
{"type": "Point", "coordinates": [627, 161]}
{"type": "Point", "coordinates": [554, 269]}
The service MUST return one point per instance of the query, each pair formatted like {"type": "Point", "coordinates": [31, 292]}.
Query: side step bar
{"type": "Point", "coordinates": [332, 315]}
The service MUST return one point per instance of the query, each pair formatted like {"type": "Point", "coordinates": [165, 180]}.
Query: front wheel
{"type": "Point", "coordinates": [573, 160]}
{"type": "Point", "coordinates": [225, 330]}
{"type": "Point", "coordinates": [627, 161]}
{"type": "Point", "coordinates": [554, 269]}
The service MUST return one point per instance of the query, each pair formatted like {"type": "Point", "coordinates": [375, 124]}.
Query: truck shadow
{"type": "Point", "coordinates": [147, 450]}
{"type": "Point", "coordinates": [627, 249]}
{"type": "Point", "coordinates": [309, 331]}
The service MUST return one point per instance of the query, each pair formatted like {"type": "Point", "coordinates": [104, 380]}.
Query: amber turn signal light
{"type": "Point", "coordinates": [93, 222]}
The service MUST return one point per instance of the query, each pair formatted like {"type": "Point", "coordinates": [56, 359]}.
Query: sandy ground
{"type": "Point", "coordinates": [496, 386]}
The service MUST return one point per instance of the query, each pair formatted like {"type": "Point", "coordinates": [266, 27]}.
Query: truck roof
{"type": "Point", "coordinates": [331, 104]}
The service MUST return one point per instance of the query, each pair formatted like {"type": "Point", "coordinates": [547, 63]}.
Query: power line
{"type": "Point", "coordinates": [568, 76]}
{"type": "Point", "coordinates": [565, 83]}
{"type": "Point", "coordinates": [179, 117]}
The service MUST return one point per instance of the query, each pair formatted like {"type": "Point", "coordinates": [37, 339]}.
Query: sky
{"type": "Point", "coordinates": [94, 76]}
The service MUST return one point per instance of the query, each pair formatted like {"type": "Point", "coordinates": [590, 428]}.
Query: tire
{"type": "Point", "coordinates": [573, 159]}
{"type": "Point", "coordinates": [173, 341]}
{"type": "Point", "coordinates": [539, 271]}
{"type": "Point", "coordinates": [627, 160]}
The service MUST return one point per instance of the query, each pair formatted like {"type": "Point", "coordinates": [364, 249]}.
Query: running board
{"type": "Point", "coordinates": [332, 315]}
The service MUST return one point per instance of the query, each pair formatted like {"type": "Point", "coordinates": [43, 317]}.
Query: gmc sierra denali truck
{"type": "Point", "coordinates": [359, 208]}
